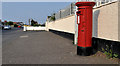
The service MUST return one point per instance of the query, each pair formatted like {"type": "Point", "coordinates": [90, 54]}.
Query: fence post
{"type": "Point", "coordinates": [100, 3]}
{"type": "Point", "coordinates": [109, 1]}
{"type": "Point", "coordinates": [70, 8]}
{"type": "Point", "coordinates": [60, 13]}
{"type": "Point", "coordinates": [76, 27]}
{"type": "Point", "coordinates": [97, 3]}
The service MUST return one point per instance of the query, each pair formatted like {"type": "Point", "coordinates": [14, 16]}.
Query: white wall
{"type": "Point", "coordinates": [33, 28]}
{"type": "Point", "coordinates": [66, 25]}
{"type": "Point", "coordinates": [105, 22]}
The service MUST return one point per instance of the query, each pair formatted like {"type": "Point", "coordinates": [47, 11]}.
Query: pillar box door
{"type": "Point", "coordinates": [84, 14]}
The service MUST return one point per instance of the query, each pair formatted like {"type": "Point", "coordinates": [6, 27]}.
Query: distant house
{"type": "Point", "coordinates": [14, 23]}
{"type": "Point", "coordinates": [18, 23]}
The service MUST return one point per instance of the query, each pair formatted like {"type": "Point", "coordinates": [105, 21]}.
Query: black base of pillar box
{"type": "Point", "coordinates": [84, 51]}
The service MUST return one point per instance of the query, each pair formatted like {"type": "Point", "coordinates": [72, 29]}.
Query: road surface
{"type": "Point", "coordinates": [41, 47]}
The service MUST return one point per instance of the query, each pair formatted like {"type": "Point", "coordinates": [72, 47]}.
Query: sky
{"type": "Point", "coordinates": [39, 0]}
{"type": "Point", "coordinates": [0, 9]}
{"type": "Point", "coordinates": [22, 11]}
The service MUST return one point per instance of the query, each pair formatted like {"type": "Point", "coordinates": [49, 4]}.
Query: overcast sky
{"type": "Point", "coordinates": [22, 11]}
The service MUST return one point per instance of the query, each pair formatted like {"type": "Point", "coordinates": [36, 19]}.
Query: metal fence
{"type": "Point", "coordinates": [65, 12]}
{"type": "Point", "coordinates": [69, 10]}
{"type": "Point", "coordinates": [100, 2]}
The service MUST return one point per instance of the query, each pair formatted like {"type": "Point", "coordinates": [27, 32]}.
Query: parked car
{"type": "Point", "coordinates": [19, 26]}
{"type": "Point", "coordinates": [22, 26]}
{"type": "Point", "coordinates": [7, 27]}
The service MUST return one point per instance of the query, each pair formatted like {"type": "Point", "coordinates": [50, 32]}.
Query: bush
{"type": "Point", "coordinates": [109, 53]}
{"type": "Point", "coordinates": [10, 23]}
{"type": "Point", "coordinates": [52, 18]}
{"type": "Point", "coordinates": [15, 25]}
{"type": "Point", "coordinates": [36, 25]}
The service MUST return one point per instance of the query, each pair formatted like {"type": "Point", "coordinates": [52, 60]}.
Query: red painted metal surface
{"type": "Point", "coordinates": [19, 26]}
{"type": "Point", "coordinates": [84, 23]}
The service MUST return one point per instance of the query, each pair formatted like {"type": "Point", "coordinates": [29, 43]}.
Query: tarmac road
{"type": "Point", "coordinates": [41, 47]}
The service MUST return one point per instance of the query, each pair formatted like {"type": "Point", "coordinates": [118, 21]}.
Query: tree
{"type": "Point", "coordinates": [52, 18]}
{"type": "Point", "coordinates": [3, 23]}
{"type": "Point", "coordinates": [6, 23]}
{"type": "Point", "coordinates": [10, 23]}
{"type": "Point", "coordinates": [43, 24]}
{"type": "Point", "coordinates": [33, 22]}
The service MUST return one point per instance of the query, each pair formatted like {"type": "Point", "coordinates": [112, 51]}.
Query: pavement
{"type": "Point", "coordinates": [41, 47]}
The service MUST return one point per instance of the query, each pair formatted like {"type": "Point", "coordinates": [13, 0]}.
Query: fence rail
{"type": "Point", "coordinates": [69, 10]}
{"type": "Point", "coordinates": [102, 2]}
{"type": "Point", "coordinates": [66, 11]}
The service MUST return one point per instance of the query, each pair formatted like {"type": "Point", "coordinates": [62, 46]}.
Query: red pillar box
{"type": "Point", "coordinates": [84, 21]}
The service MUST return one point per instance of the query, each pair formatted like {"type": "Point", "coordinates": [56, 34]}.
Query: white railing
{"type": "Point", "coordinates": [103, 2]}
{"type": "Point", "coordinates": [100, 2]}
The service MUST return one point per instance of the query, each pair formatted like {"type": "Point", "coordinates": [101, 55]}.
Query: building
{"type": "Point", "coordinates": [18, 23]}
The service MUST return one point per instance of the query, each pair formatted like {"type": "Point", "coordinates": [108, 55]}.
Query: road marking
{"type": "Point", "coordinates": [23, 36]}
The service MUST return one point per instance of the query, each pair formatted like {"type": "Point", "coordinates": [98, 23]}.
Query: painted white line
{"type": "Point", "coordinates": [23, 36]}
